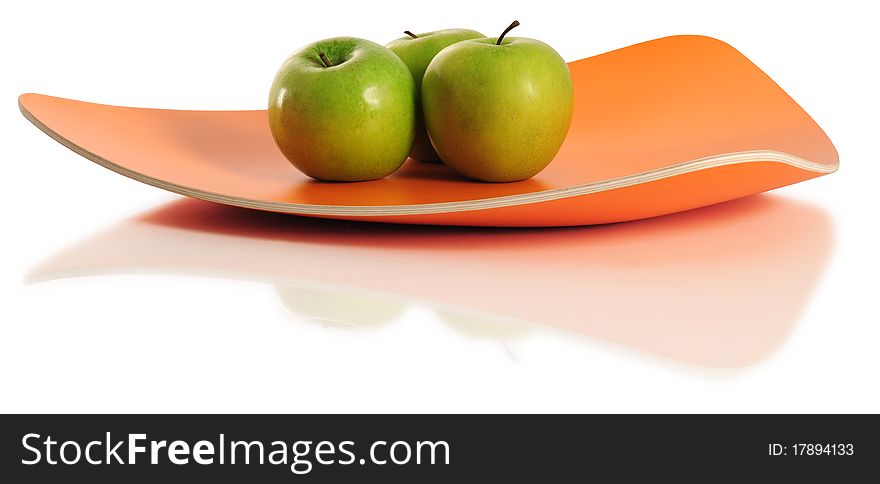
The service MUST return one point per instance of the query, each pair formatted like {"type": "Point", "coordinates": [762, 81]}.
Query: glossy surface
{"type": "Point", "coordinates": [497, 113]}
{"type": "Point", "coordinates": [721, 287]}
{"type": "Point", "coordinates": [417, 53]}
{"type": "Point", "coordinates": [638, 110]}
{"type": "Point", "coordinates": [150, 335]}
{"type": "Point", "coordinates": [351, 121]}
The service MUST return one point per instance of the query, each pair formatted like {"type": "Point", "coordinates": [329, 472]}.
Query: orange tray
{"type": "Point", "coordinates": [659, 127]}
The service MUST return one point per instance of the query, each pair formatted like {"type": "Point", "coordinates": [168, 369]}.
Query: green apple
{"type": "Point", "coordinates": [498, 109]}
{"type": "Point", "coordinates": [344, 109]}
{"type": "Point", "coordinates": [417, 52]}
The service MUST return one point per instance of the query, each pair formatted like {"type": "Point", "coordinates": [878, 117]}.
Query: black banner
{"type": "Point", "coordinates": [429, 448]}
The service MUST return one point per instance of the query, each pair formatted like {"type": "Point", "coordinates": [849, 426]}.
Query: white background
{"type": "Point", "coordinates": [181, 341]}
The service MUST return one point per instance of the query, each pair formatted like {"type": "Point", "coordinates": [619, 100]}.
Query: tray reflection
{"type": "Point", "coordinates": [720, 286]}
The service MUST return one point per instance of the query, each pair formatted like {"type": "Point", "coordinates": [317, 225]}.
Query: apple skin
{"type": "Point", "coordinates": [352, 121]}
{"type": "Point", "coordinates": [417, 54]}
{"type": "Point", "coordinates": [497, 113]}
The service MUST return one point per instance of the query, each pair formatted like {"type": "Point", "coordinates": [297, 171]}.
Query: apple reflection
{"type": "Point", "coordinates": [340, 308]}
{"type": "Point", "coordinates": [721, 286]}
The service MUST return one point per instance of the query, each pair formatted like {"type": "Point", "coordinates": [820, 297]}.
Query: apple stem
{"type": "Point", "coordinates": [407, 32]}
{"type": "Point", "coordinates": [508, 29]}
{"type": "Point", "coordinates": [325, 59]}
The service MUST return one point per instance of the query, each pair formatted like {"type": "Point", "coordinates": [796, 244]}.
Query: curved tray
{"type": "Point", "coordinates": [659, 127]}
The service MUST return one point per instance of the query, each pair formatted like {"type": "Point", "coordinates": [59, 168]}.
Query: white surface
{"type": "Point", "coordinates": [192, 343]}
